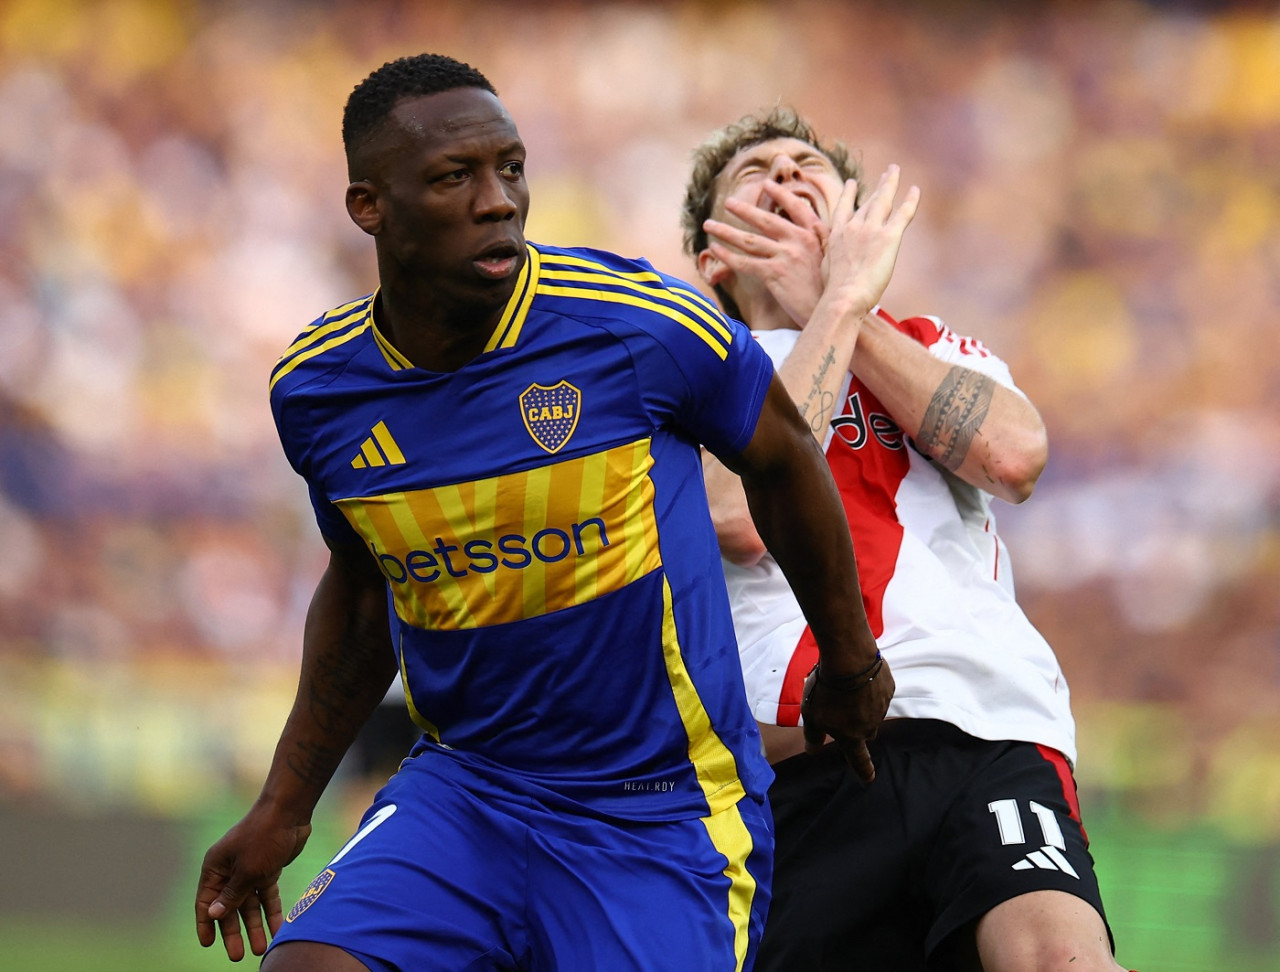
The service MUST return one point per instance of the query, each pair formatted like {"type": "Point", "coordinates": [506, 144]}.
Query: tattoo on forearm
{"type": "Point", "coordinates": [337, 676]}
{"type": "Point", "coordinates": [313, 764]}
{"type": "Point", "coordinates": [818, 397]}
{"type": "Point", "coordinates": [340, 673]}
{"type": "Point", "coordinates": [954, 416]}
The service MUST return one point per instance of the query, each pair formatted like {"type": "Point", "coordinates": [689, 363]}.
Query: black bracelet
{"type": "Point", "coordinates": [853, 682]}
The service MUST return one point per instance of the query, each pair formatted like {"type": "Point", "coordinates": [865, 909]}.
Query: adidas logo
{"type": "Point", "coordinates": [1047, 858]}
{"type": "Point", "coordinates": [380, 449]}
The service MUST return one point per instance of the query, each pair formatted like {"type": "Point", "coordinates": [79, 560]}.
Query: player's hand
{"type": "Point", "coordinates": [782, 247]}
{"type": "Point", "coordinates": [863, 246]}
{"type": "Point", "coordinates": [240, 880]}
{"type": "Point", "coordinates": [849, 716]}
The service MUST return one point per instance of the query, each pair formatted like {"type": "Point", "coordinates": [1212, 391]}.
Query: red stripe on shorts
{"type": "Point", "coordinates": [1068, 781]}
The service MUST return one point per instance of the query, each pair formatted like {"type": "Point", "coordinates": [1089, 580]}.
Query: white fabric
{"type": "Point", "coordinates": [960, 648]}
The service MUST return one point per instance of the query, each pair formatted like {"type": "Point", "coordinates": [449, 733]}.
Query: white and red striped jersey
{"type": "Point", "coordinates": [935, 576]}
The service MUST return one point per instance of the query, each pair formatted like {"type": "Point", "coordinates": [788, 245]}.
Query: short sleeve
{"type": "Point", "coordinates": [953, 348]}
{"type": "Point", "coordinates": [295, 434]}
{"type": "Point", "coordinates": [703, 372]}
{"type": "Point", "coordinates": [330, 520]}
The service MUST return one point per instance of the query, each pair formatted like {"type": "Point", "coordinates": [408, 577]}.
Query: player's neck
{"type": "Point", "coordinates": [432, 337]}
{"type": "Point", "coordinates": [765, 314]}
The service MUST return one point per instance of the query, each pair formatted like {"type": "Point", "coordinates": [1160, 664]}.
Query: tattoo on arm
{"type": "Point", "coordinates": [823, 400]}
{"type": "Point", "coordinates": [954, 416]}
{"type": "Point", "coordinates": [313, 764]}
{"type": "Point", "coordinates": [339, 675]}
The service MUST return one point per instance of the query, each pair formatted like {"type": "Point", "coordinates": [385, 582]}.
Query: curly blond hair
{"type": "Point", "coordinates": [710, 158]}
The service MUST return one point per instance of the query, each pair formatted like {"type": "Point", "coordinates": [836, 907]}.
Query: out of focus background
{"type": "Point", "coordinates": [1101, 205]}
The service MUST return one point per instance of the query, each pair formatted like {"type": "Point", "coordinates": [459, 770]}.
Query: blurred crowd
{"type": "Point", "coordinates": [1101, 205]}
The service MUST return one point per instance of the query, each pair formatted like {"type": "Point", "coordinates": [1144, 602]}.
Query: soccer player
{"type": "Point", "coordinates": [502, 450]}
{"type": "Point", "coordinates": [969, 851]}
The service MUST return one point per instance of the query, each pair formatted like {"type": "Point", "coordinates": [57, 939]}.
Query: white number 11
{"type": "Point", "coordinates": [1009, 820]}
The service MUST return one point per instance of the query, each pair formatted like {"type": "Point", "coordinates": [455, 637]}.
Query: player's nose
{"type": "Point", "coordinates": [783, 168]}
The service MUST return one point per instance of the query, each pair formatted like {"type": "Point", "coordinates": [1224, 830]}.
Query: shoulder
{"type": "Point", "coordinates": [628, 294]}
{"type": "Point", "coordinates": [934, 333]}
{"type": "Point", "coordinates": [323, 348]}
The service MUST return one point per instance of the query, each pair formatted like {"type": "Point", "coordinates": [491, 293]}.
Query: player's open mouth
{"type": "Point", "coordinates": [778, 210]}
{"type": "Point", "coordinates": [498, 261]}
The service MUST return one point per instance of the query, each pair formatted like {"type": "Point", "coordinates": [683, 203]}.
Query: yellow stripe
{"type": "Point", "coordinates": [513, 317]}
{"type": "Point", "coordinates": [395, 360]}
{"type": "Point", "coordinates": [426, 725]}
{"type": "Point", "coordinates": [699, 307]}
{"type": "Point", "coordinates": [615, 298]}
{"type": "Point", "coordinates": [646, 276]}
{"type": "Point", "coordinates": [358, 515]}
{"type": "Point", "coordinates": [537, 486]}
{"type": "Point", "coordinates": [456, 506]}
{"type": "Point", "coordinates": [717, 774]}
{"type": "Point", "coordinates": [568, 532]}
{"type": "Point", "coordinates": [715, 766]}
{"type": "Point", "coordinates": [372, 456]}
{"type": "Point", "coordinates": [591, 496]}
{"type": "Point", "coordinates": [318, 350]}
{"type": "Point", "coordinates": [333, 321]}
{"type": "Point", "coordinates": [417, 522]}
{"type": "Point", "coordinates": [389, 446]}
{"type": "Point", "coordinates": [730, 836]}
{"type": "Point", "coordinates": [637, 528]}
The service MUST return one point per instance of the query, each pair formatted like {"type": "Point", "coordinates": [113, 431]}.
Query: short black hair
{"type": "Point", "coordinates": [408, 77]}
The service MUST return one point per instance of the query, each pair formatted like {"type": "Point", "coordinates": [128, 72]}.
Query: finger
{"type": "Point", "coordinates": [859, 758]}
{"type": "Point", "coordinates": [798, 209]}
{"type": "Point", "coordinates": [768, 223]}
{"type": "Point", "coordinates": [251, 913]}
{"type": "Point", "coordinates": [906, 212]}
{"type": "Point", "coordinates": [206, 895]}
{"type": "Point", "coordinates": [750, 243]}
{"type": "Point", "coordinates": [271, 905]}
{"type": "Point", "coordinates": [823, 232]}
{"type": "Point", "coordinates": [880, 203]}
{"type": "Point", "coordinates": [223, 911]}
{"type": "Point", "coordinates": [232, 940]}
{"type": "Point", "coordinates": [735, 260]}
{"type": "Point", "coordinates": [847, 203]}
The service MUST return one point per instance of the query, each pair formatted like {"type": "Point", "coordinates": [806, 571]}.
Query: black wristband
{"type": "Point", "coordinates": [853, 682]}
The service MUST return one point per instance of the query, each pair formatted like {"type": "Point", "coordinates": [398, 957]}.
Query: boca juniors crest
{"type": "Point", "coordinates": [551, 413]}
{"type": "Point", "coordinates": [314, 890]}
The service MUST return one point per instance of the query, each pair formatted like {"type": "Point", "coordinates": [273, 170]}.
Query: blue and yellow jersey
{"type": "Point", "coordinates": [540, 518]}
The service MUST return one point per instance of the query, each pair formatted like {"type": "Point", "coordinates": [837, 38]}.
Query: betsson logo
{"type": "Point", "coordinates": [513, 550]}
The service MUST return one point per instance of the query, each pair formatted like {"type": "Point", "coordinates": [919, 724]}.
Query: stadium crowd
{"type": "Point", "coordinates": [1101, 200]}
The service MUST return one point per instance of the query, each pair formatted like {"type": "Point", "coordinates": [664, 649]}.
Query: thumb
{"type": "Point", "coordinates": [229, 899]}
{"type": "Point", "coordinates": [814, 738]}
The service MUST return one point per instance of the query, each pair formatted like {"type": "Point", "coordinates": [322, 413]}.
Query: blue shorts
{"type": "Point", "coordinates": [451, 870]}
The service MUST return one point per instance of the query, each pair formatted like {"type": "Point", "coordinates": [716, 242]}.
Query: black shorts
{"type": "Point", "coordinates": [881, 877]}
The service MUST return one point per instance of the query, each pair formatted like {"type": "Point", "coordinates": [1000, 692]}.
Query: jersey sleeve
{"type": "Point", "coordinates": [330, 520]}
{"type": "Point", "coordinates": [295, 439]}
{"type": "Point", "coordinates": [703, 372]}
{"type": "Point", "coordinates": [953, 348]}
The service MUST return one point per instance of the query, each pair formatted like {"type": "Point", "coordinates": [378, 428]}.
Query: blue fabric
{"type": "Point", "coordinates": [455, 870]}
{"type": "Point", "coordinates": [558, 605]}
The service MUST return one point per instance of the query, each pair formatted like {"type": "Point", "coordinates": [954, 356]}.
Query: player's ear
{"type": "Point", "coordinates": [362, 206]}
{"type": "Point", "coordinates": [712, 270]}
